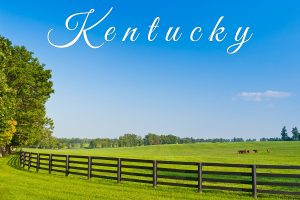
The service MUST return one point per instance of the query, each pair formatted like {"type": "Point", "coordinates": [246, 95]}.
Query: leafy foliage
{"type": "Point", "coordinates": [284, 134]}
{"type": "Point", "coordinates": [7, 111]}
{"type": "Point", "coordinates": [295, 133]}
{"type": "Point", "coordinates": [25, 86]}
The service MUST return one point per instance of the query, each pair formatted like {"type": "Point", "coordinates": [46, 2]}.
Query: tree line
{"type": "Point", "coordinates": [295, 134]}
{"type": "Point", "coordinates": [284, 136]}
{"type": "Point", "coordinates": [25, 86]}
{"type": "Point", "coordinates": [129, 140]}
{"type": "Point", "coordinates": [132, 140]}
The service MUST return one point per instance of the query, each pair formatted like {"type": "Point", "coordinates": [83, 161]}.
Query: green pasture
{"type": "Point", "coordinates": [281, 153]}
{"type": "Point", "coordinates": [16, 183]}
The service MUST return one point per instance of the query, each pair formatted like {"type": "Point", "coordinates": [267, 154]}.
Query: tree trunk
{"type": "Point", "coordinates": [1, 152]}
{"type": "Point", "coordinates": [8, 149]}
{"type": "Point", "coordinates": [5, 150]}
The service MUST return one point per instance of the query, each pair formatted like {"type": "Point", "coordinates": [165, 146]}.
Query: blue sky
{"type": "Point", "coordinates": [182, 88]}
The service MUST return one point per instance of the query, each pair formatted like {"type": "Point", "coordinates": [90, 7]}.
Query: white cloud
{"type": "Point", "coordinates": [263, 96]}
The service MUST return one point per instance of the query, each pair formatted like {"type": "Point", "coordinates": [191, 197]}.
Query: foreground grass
{"type": "Point", "coordinates": [16, 183]}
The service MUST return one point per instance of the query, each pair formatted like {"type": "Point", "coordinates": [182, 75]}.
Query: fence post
{"type": "Point", "coordinates": [200, 177]}
{"type": "Point", "coordinates": [38, 162]}
{"type": "Point", "coordinates": [154, 173]}
{"type": "Point", "coordinates": [254, 188]}
{"type": "Point", "coordinates": [67, 165]}
{"type": "Point", "coordinates": [119, 174]}
{"type": "Point", "coordinates": [89, 167]}
{"type": "Point", "coordinates": [29, 161]}
{"type": "Point", "coordinates": [50, 163]}
{"type": "Point", "coordinates": [20, 158]}
{"type": "Point", "coordinates": [24, 159]}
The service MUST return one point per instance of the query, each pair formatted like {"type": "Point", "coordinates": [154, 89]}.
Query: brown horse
{"type": "Point", "coordinates": [242, 151]}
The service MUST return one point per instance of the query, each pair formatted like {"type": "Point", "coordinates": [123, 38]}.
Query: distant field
{"type": "Point", "coordinates": [280, 152]}
{"type": "Point", "coordinates": [16, 183]}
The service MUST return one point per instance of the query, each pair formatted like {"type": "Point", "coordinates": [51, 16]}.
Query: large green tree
{"type": "Point", "coordinates": [284, 134]}
{"type": "Point", "coordinates": [7, 112]}
{"type": "Point", "coordinates": [130, 140]}
{"type": "Point", "coordinates": [169, 139]}
{"type": "Point", "coordinates": [26, 81]}
{"type": "Point", "coordinates": [151, 139]}
{"type": "Point", "coordinates": [295, 133]}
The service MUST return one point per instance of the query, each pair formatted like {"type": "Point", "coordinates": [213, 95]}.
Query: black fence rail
{"type": "Point", "coordinates": [198, 175]}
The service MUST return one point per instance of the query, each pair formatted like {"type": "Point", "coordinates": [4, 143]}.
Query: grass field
{"type": "Point", "coordinates": [16, 183]}
{"type": "Point", "coordinates": [281, 152]}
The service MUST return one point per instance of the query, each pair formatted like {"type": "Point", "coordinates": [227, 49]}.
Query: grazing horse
{"type": "Point", "coordinates": [242, 151]}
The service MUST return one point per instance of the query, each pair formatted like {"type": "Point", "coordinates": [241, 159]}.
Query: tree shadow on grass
{"type": "Point", "coordinates": [14, 161]}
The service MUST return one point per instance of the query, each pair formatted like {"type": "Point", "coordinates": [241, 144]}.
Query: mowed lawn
{"type": "Point", "coordinates": [16, 183]}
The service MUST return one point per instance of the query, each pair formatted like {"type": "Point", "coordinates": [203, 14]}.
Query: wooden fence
{"type": "Point", "coordinates": [158, 172]}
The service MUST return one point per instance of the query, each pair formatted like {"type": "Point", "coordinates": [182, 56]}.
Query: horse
{"type": "Point", "coordinates": [242, 151]}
